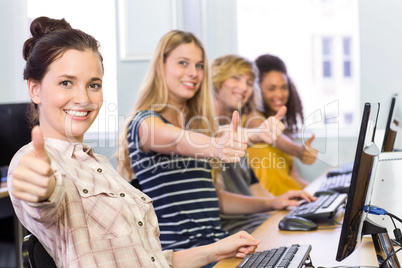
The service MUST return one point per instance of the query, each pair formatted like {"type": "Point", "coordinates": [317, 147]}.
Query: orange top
{"type": "Point", "coordinates": [271, 166]}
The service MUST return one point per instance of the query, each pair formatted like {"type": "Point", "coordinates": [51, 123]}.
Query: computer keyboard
{"type": "Point", "coordinates": [323, 208]}
{"type": "Point", "coordinates": [283, 257]}
{"type": "Point", "coordinates": [339, 183]}
{"type": "Point", "coordinates": [345, 168]}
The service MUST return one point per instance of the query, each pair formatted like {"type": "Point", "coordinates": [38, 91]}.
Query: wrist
{"type": "Point", "coordinates": [207, 254]}
{"type": "Point", "coordinates": [213, 152]}
{"type": "Point", "coordinates": [300, 152]}
{"type": "Point", "coordinates": [252, 137]}
{"type": "Point", "coordinates": [269, 204]}
{"type": "Point", "coordinates": [211, 255]}
{"type": "Point", "coordinates": [50, 190]}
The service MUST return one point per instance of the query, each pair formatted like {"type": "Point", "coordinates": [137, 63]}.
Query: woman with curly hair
{"type": "Point", "coordinates": [274, 165]}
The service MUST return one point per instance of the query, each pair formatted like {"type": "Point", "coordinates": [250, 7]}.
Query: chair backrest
{"type": "Point", "coordinates": [34, 254]}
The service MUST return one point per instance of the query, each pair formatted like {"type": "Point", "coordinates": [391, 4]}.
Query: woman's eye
{"type": "Point", "coordinates": [184, 63]}
{"type": "Point", "coordinates": [200, 66]}
{"type": "Point", "coordinates": [65, 83]}
{"type": "Point", "coordinates": [235, 77]}
{"type": "Point", "coordinates": [95, 86]}
{"type": "Point", "coordinates": [250, 83]}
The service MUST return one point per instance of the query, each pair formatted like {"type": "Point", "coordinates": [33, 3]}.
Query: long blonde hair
{"type": "Point", "coordinates": [154, 90]}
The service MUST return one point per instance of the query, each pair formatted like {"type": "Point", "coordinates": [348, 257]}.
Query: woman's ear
{"type": "Point", "coordinates": [33, 88]}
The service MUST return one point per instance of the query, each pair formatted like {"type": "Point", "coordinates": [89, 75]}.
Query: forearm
{"type": "Point", "coordinates": [286, 145]}
{"type": "Point", "coordinates": [194, 257]}
{"type": "Point", "coordinates": [227, 147]}
{"type": "Point", "coordinates": [231, 203]}
{"type": "Point", "coordinates": [195, 144]}
{"type": "Point", "coordinates": [237, 245]}
{"type": "Point", "coordinates": [259, 191]}
{"type": "Point", "coordinates": [157, 136]}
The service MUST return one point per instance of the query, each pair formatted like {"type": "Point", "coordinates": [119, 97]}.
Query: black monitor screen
{"type": "Point", "coordinates": [14, 131]}
{"type": "Point", "coordinates": [351, 233]}
{"type": "Point", "coordinates": [391, 129]}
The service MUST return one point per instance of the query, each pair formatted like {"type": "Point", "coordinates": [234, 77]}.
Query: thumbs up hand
{"type": "Point", "coordinates": [33, 178]}
{"type": "Point", "coordinates": [309, 154]}
{"type": "Point", "coordinates": [232, 145]}
{"type": "Point", "coordinates": [39, 144]}
{"type": "Point", "coordinates": [269, 130]}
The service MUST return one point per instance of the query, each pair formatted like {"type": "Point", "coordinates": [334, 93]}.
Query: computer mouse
{"type": "Point", "coordinates": [295, 223]}
{"type": "Point", "coordinates": [324, 192]}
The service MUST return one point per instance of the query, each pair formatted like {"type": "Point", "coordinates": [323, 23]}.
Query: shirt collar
{"type": "Point", "coordinates": [67, 147]}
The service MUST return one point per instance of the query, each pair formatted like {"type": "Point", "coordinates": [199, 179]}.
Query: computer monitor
{"type": "Point", "coordinates": [393, 124]}
{"type": "Point", "coordinates": [14, 130]}
{"type": "Point", "coordinates": [355, 223]}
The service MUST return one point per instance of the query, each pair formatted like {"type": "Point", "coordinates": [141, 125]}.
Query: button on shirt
{"type": "Point", "coordinates": [94, 218]}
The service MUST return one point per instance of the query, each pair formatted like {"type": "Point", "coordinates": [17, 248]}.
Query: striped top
{"type": "Point", "coordinates": [184, 197]}
{"type": "Point", "coordinates": [94, 218]}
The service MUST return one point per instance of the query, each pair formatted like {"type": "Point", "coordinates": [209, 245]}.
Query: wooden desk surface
{"type": "Point", "coordinates": [3, 192]}
{"type": "Point", "coordinates": [324, 241]}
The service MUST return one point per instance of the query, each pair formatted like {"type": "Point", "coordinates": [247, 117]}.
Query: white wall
{"type": "Point", "coordinates": [381, 56]}
{"type": "Point", "coordinates": [13, 29]}
{"type": "Point", "coordinates": [213, 22]}
{"type": "Point", "coordinates": [381, 52]}
{"type": "Point", "coordinates": [380, 73]}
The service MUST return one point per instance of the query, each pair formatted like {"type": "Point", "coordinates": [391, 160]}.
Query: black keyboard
{"type": "Point", "coordinates": [323, 208]}
{"type": "Point", "coordinates": [283, 257]}
{"type": "Point", "coordinates": [342, 169]}
{"type": "Point", "coordinates": [339, 183]}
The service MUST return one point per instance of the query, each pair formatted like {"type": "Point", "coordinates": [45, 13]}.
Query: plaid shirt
{"type": "Point", "coordinates": [94, 218]}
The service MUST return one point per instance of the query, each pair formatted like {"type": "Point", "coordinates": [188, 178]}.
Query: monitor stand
{"type": "Point", "coordinates": [382, 244]}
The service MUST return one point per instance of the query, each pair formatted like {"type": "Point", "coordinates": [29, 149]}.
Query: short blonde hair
{"type": "Point", "coordinates": [227, 66]}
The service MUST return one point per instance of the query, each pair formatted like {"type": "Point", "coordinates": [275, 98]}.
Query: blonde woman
{"type": "Point", "coordinates": [170, 140]}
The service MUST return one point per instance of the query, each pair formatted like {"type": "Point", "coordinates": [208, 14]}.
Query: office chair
{"type": "Point", "coordinates": [34, 255]}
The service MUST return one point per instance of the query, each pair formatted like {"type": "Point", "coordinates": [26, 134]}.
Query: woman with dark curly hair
{"type": "Point", "coordinates": [277, 89]}
{"type": "Point", "coordinates": [275, 166]}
